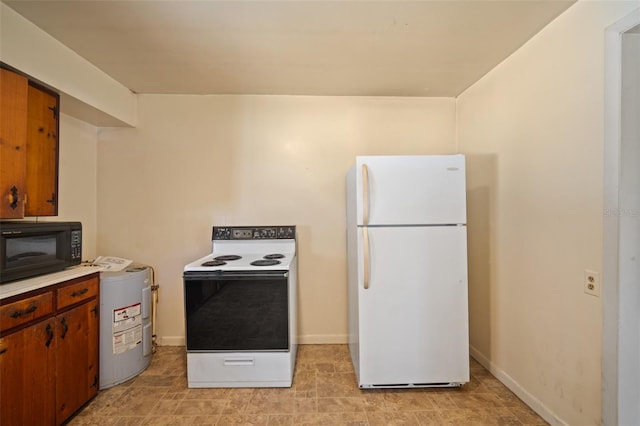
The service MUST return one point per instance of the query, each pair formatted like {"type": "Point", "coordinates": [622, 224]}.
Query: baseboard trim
{"type": "Point", "coordinates": [535, 404]}
{"type": "Point", "coordinates": [323, 339]}
{"type": "Point", "coordinates": [170, 341]}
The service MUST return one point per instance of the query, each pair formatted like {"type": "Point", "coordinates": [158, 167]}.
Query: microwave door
{"type": "Point", "coordinates": [29, 249]}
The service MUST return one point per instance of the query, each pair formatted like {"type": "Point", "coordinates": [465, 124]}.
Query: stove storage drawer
{"type": "Point", "coordinates": [208, 369]}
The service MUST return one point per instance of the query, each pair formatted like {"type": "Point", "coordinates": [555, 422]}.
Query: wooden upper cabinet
{"type": "Point", "coordinates": [13, 140]}
{"type": "Point", "coordinates": [42, 153]}
{"type": "Point", "coordinates": [29, 126]}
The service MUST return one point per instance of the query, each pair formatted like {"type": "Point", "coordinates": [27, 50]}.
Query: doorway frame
{"type": "Point", "coordinates": [619, 372]}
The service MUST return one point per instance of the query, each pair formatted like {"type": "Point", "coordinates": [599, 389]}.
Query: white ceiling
{"type": "Point", "coordinates": [368, 48]}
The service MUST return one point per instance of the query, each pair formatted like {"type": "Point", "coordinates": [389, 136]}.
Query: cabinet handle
{"type": "Point", "coordinates": [49, 331]}
{"type": "Point", "coordinates": [29, 310]}
{"type": "Point", "coordinates": [65, 328]}
{"type": "Point", "coordinates": [3, 350]}
{"type": "Point", "coordinates": [13, 198]}
{"type": "Point", "coordinates": [79, 292]}
{"type": "Point", "coordinates": [95, 311]}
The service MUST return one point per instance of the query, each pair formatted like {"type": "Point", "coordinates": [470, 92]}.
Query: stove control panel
{"type": "Point", "coordinates": [254, 233]}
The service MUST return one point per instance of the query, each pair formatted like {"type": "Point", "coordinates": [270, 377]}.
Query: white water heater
{"type": "Point", "coordinates": [125, 324]}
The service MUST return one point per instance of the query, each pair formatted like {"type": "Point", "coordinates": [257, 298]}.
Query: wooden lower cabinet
{"type": "Point", "coordinates": [49, 366]}
{"type": "Point", "coordinates": [76, 359]}
{"type": "Point", "coordinates": [27, 373]}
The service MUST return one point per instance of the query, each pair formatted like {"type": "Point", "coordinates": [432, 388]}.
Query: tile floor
{"type": "Point", "coordinates": [324, 392]}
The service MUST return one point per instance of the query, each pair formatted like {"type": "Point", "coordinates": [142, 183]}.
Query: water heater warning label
{"type": "Point", "coordinates": [127, 328]}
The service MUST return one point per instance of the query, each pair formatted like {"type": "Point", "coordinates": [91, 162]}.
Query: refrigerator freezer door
{"type": "Point", "coordinates": [413, 317]}
{"type": "Point", "coordinates": [410, 190]}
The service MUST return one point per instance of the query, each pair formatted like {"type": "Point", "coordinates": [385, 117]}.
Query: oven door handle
{"type": "Point", "coordinates": [234, 275]}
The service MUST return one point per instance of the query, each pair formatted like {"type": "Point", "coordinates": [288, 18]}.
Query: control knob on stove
{"type": "Point", "coordinates": [222, 233]}
{"type": "Point", "coordinates": [264, 233]}
{"type": "Point", "coordinates": [286, 232]}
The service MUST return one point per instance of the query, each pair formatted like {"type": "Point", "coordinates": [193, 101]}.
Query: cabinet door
{"type": "Point", "coordinates": [27, 371]}
{"type": "Point", "coordinates": [77, 358]}
{"type": "Point", "coordinates": [13, 137]}
{"type": "Point", "coordinates": [42, 148]}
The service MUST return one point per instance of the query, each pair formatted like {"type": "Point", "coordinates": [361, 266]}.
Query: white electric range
{"type": "Point", "coordinates": [240, 309]}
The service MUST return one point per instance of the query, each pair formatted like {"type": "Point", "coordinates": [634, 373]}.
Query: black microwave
{"type": "Point", "coordinates": [28, 249]}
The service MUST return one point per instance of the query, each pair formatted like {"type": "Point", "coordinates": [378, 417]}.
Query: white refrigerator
{"type": "Point", "coordinates": [407, 271]}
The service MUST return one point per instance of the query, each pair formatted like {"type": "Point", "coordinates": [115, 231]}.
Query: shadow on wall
{"type": "Point", "coordinates": [481, 241]}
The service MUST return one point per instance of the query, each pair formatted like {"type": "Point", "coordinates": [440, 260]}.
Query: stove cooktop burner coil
{"type": "Point", "coordinates": [214, 263]}
{"type": "Point", "coordinates": [265, 262]}
{"type": "Point", "coordinates": [274, 256]}
{"type": "Point", "coordinates": [228, 257]}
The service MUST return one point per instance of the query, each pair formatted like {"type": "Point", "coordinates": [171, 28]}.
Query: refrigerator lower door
{"type": "Point", "coordinates": [413, 317]}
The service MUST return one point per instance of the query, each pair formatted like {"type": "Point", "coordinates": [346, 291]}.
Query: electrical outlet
{"type": "Point", "coordinates": [592, 283]}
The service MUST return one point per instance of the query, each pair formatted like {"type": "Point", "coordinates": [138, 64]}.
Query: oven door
{"type": "Point", "coordinates": [236, 311]}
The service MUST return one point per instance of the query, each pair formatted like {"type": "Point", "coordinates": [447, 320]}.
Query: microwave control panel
{"type": "Point", "coordinates": [76, 245]}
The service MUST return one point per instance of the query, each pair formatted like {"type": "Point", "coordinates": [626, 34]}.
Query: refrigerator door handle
{"type": "Point", "coordinates": [365, 252]}
{"type": "Point", "coordinates": [365, 195]}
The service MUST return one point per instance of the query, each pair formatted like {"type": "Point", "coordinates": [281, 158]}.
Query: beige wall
{"type": "Point", "coordinates": [196, 161]}
{"type": "Point", "coordinates": [533, 133]}
{"type": "Point", "coordinates": [77, 180]}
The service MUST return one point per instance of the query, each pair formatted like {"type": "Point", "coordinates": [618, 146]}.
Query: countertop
{"type": "Point", "coordinates": [23, 286]}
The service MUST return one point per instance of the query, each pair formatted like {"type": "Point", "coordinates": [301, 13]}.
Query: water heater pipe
{"type": "Point", "coordinates": [155, 289]}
